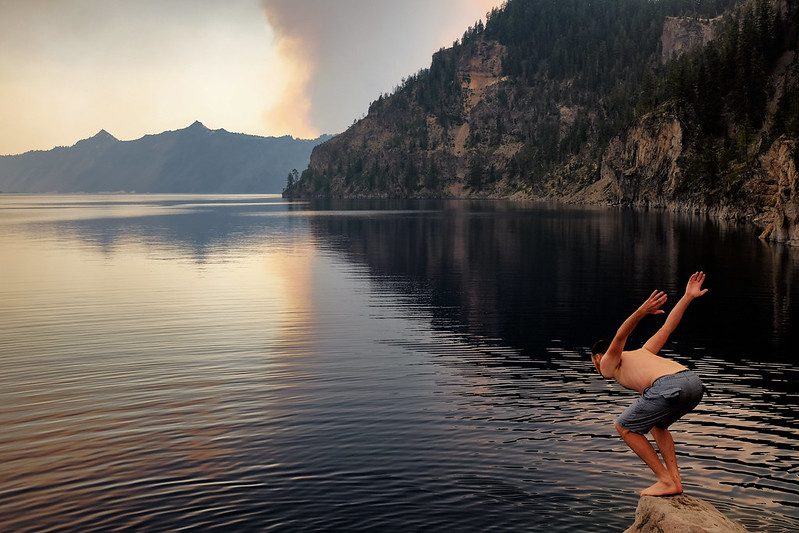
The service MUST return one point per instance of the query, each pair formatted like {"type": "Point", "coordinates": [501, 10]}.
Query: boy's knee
{"type": "Point", "coordinates": [625, 433]}
{"type": "Point", "coordinates": [656, 431]}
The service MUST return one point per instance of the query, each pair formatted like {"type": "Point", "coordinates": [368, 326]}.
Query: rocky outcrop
{"type": "Point", "coordinates": [643, 167]}
{"type": "Point", "coordinates": [683, 34]}
{"type": "Point", "coordinates": [411, 144]}
{"type": "Point", "coordinates": [643, 162]}
{"type": "Point", "coordinates": [680, 514]}
{"type": "Point", "coordinates": [779, 163]}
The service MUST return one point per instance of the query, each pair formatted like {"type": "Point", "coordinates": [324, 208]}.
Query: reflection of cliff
{"type": "Point", "coordinates": [193, 228]}
{"type": "Point", "coordinates": [523, 277]}
{"type": "Point", "coordinates": [528, 277]}
{"type": "Point", "coordinates": [783, 263]}
{"type": "Point", "coordinates": [466, 262]}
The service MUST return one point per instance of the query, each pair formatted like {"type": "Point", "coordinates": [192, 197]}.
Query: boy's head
{"type": "Point", "coordinates": [599, 348]}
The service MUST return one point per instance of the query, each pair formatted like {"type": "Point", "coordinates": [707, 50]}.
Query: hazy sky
{"type": "Point", "coordinates": [69, 68]}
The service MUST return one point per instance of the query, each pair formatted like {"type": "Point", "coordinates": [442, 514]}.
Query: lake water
{"type": "Point", "coordinates": [243, 363]}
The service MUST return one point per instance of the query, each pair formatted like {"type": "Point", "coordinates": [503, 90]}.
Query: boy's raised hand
{"type": "Point", "coordinates": [652, 305]}
{"type": "Point", "coordinates": [694, 288]}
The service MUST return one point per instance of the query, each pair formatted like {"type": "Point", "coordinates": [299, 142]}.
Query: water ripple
{"type": "Point", "coordinates": [270, 384]}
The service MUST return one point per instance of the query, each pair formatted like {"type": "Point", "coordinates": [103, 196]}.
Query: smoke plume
{"type": "Point", "coordinates": [343, 54]}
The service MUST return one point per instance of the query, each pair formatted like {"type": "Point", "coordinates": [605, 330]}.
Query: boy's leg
{"type": "Point", "coordinates": [638, 443]}
{"type": "Point", "coordinates": [666, 446]}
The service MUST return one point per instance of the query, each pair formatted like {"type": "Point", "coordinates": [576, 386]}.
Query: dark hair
{"type": "Point", "coordinates": [600, 347]}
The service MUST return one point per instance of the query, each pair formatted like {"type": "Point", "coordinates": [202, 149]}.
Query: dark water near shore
{"type": "Point", "coordinates": [240, 363]}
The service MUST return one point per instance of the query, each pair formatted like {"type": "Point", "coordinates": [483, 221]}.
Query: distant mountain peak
{"type": "Point", "coordinates": [100, 139]}
{"type": "Point", "coordinates": [196, 130]}
{"type": "Point", "coordinates": [104, 135]}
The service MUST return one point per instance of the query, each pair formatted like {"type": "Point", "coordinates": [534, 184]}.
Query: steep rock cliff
{"type": "Point", "coordinates": [779, 168]}
{"type": "Point", "coordinates": [643, 164]}
{"type": "Point", "coordinates": [643, 167]}
{"type": "Point", "coordinates": [406, 147]}
{"type": "Point", "coordinates": [701, 151]}
{"type": "Point", "coordinates": [683, 34]}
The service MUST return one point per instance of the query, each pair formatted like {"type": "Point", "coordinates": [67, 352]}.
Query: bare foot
{"type": "Point", "coordinates": [678, 482]}
{"type": "Point", "coordinates": [663, 488]}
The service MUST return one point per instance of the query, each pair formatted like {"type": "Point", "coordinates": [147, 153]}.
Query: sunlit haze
{"type": "Point", "coordinates": [267, 67]}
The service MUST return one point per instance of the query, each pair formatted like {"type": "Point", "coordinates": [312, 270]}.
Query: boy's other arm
{"type": "Point", "coordinates": [692, 290]}
{"type": "Point", "coordinates": [612, 358]}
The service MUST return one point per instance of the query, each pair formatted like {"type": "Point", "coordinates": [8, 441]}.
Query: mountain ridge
{"type": "Point", "coordinates": [194, 159]}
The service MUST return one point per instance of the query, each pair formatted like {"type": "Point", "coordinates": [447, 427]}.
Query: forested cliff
{"type": "Point", "coordinates": [684, 104]}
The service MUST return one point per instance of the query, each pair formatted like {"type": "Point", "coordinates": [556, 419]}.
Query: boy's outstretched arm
{"type": "Point", "coordinates": [692, 290]}
{"type": "Point", "coordinates": [612, 358]}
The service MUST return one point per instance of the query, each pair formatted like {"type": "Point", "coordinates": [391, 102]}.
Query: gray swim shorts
{"type": "Point", "coordinates": [666, 401]}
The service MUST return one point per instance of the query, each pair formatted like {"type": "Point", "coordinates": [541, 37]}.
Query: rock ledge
{"type": "Point", "coordinates": [680, 514]}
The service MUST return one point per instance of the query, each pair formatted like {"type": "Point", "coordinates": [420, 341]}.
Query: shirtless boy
{"type": "Point", "coordinates": [668, 389]}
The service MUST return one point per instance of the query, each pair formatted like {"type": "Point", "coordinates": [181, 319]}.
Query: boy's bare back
{"type": "Point", "coordinates": [640, 368]}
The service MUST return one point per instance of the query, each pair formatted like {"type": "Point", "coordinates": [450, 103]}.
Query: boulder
{"type": "Point", "coordinates": [680, 514]}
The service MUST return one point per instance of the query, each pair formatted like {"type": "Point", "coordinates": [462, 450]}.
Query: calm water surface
{"type": "Point", "coordinates": [242, 363]}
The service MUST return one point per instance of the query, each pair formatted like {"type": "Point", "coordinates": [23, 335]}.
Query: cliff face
{"type": "Point", "coordinates": [643, 167]}
{"type": "Point", "coordinates": [643, 164]}
{"type": "Point", "coordinates": [682, 34]}
{"type": "Point", "coordinates": [670, 159]}
{"type": "Point", "coordinates": [779, 172]}
{"type": "Point", "coordinates": [406, 148]}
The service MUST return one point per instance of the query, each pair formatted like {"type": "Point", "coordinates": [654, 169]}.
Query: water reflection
{"type": "Point", "coordinates": [553, 276]}
{"type": "Point", "coordinates": [530, 274]}
{"type": "Point", "coordinates": [127, 353]}
{"type": "Point", "coordinates": [173, 225]}
{"type": "Point", "coordinates": [241, 363]}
